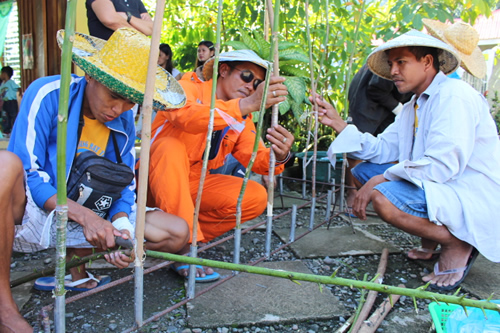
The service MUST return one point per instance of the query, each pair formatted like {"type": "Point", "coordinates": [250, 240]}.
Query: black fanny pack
{"type": "Point", "coordinates": [96, 182]}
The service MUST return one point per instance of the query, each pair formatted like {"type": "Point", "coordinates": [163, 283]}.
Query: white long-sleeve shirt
{"type": "Point", "coordinates": [455, 158]}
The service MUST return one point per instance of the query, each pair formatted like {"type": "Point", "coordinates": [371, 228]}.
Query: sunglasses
{"type": "Point", "coordinates": [247, 76]}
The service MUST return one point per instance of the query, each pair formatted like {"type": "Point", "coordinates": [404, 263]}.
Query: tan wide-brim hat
{"type": "Point", "coordinates": [121, 64]}
{"type": "Point", "coordinates": [238, 55]}
{"type": "Point", "coordinates": [463, 38]}
{"type": "Point", "coordinates": [448, 57]}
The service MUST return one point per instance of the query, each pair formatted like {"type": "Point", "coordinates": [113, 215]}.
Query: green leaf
{"type": "Point", "coordinates": [431, 12]}
{"type": "Point", "coordinates": [441, 16]}
{"type": "Point", "coordinates": [295, 56]}
{"type": "Point", "coordinates": [292, 70]}
{"type": "Point", "coordinates": [249, 41]}
{"type": "Point", "coordinates": [283, 107]}
{"type": "Point", "coordinates": [283, 45]}
{"type": "Point", "coordinates": [237, 45]}
{"type": "Point", "coordinates": [296, 109]}
{"type": "Point", "coordinates": [417, 22]}
{"type": "Point", "coordinates": [405, 11]}
{"type": "Point", "coordinates": [264, 45]}
{"type": "Point", "coordinates": [296, 88]}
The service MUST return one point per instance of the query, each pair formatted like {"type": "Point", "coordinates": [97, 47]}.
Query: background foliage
{"type": "Point", "coordinates": [186, 23]}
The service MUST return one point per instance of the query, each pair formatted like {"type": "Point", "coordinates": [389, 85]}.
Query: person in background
{"type": "Point", "coordinates": [106, 16]}
{"type": "Point", "coordinates": [8, 92]}
{"type": "Point", "coordinates": [374, 102]}
{"type": "Point", "coordinates": [165, 61]}
{"type": "Point", "coordinates": [206, 50]}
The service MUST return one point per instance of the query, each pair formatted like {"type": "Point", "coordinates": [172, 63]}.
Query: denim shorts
{"type": "Point", "coordinates": [406, 196]}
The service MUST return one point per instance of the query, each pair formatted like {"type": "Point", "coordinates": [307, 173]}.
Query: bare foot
{"type": "Point", "coordinates": [90, 284]}
{"type": "Point", "coordinates": [351, 194]}
{"type": "Point", "coordinates": [422, 253]}
{"type": "Point", "coordinates": [452, 257]}
{"type": "Point", "coordinates": [13, 323]}
{"type": "Point", "coordinates": [426, 252]}
{"type": "Point", "coordinates": [200, 272]}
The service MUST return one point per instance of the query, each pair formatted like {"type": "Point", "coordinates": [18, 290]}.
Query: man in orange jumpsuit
{"type": "Point", "coordinates": [179, 139]}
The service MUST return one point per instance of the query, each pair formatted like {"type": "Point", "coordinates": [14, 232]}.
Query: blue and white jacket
{"type": "Point", "coordinates": [34, 138]}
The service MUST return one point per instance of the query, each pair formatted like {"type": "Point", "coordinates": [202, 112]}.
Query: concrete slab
{"type": "Point", "coordinates": [334, 242]}
{"type": "Point", "coordinates": [21, 293]}
{"type": "Point", "coordinates": [277, 299]}
{"type": "Point", "coordinates": [397, 322]}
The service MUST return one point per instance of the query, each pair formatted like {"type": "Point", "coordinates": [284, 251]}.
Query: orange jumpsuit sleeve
{"type": "Point", "coordinates": [195, 115]}
{"type": "Point", "coordinates": [243, 148]}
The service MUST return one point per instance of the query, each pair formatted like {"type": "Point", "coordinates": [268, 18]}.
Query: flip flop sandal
{"type": "Point", "coordinates": [207, 278]}
{"type": "Point", "coordinates": [465, 269]}
{"type": "Point", "coordinates": [434, 256]}
{"type": "Point", "coordinates": [48, 283]}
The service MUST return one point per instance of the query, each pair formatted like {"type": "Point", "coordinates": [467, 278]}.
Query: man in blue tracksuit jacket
{"type": "Point", "coordinates": [103, 100]}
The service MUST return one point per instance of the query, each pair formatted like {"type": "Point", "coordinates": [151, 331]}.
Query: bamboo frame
{"type": "Point", "coordinates": [419, 292]}
{"type": "Point", "coordinates": [274, 21]}
{"type": "Point", "coordinates": [147, 109]}
{"type": "Point", "coordinates": [62, 200]}
{"type": "Point", "coordinates": [193, 250]}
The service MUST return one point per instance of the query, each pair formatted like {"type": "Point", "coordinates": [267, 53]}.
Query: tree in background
{"type": "Point", "coordinates": [354, 28]}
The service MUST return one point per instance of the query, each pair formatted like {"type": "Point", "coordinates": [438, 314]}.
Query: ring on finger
{"type": "Point", "coordinates": [274, 93]}
{"type": "Point", "coordinates": [284, 140]}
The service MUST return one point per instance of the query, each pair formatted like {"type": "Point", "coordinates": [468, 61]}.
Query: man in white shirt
{"type": "Point", "coordinates": [446, 184]}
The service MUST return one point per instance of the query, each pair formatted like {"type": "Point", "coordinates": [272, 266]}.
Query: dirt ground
{"type": "Point", "coordinates": [113, 309]}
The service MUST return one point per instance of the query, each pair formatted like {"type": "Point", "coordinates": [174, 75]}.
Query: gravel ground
{"type": "Point", "coordinates": [111, 311]}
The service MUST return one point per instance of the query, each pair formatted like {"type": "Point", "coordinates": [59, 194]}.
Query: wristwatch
{"type": "Point", "coordinates": [129, 17]}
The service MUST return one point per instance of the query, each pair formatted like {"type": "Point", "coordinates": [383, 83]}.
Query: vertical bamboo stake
{"type": "Point", "coordinates": [193, 249]}
{"type": "Point", "coordinates": [315, 115]}
{"type": "Point", "coordinates": [346, 106]}
{"type": "Point", "coordinates": [274, 119]}
{"type": "Point", "coordinates": [147, 108]}
{"type": "Point", "coordinates": [62, 201]}
{"type": "Point", "coordinates": [237, 235]}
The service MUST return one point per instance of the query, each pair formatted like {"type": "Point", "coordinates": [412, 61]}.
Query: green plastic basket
{"type": "Point", "coordinates": [440, 313]}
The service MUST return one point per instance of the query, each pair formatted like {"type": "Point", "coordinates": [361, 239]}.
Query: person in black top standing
{"type": "Point", "coordinates": [105, 16]}
{"type": "Point", "coordinates": [374, 102]}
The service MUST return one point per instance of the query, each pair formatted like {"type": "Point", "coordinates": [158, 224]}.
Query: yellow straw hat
{"type": "Point", "coordinates": [463, 38]}
{"type": "Point", "coordinates": [447, 56]}
{"type": "Point", "coordinates": [121, 64]}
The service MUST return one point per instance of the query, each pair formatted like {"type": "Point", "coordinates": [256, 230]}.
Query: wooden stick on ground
{"type": "Point", "coordinates": [372, 294]}
{"type": "Point", "coordinates": [345, 326]}
{"type": "Point", "coordinates": [378, 316]}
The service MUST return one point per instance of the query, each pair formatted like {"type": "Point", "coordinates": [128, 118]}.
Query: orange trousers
{"type": "Point", "coordinates": [173, 186]}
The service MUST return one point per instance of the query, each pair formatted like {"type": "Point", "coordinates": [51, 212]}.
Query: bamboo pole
{"type": "Point", "coordinates": [372, 295]}
{"type": "Point", "coordinates": [274, 119]}
{"type": "Point", "coordinates": [147, 109]}
{"type": "Point", "coordinates": [315, 119]}
{"type": "Point", "coordinates": [346, 106]}
{"type": "Point", "coordinates": [237, 235]}
{"type": "Point", "coordinates": [193, 249]}
{"type": "Point", "coordinates": [419, 292]}
{"type": "Point", "coordinates": [62, 200]}
{"type": "Point", "coordinates": [378, 316]}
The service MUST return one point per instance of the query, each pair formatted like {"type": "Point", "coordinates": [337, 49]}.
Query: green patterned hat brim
{"type": "Point", "coordinates": [177, 100]}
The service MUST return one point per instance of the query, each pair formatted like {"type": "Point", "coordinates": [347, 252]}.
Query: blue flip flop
{"type": "Point", "coordinates": [207, 278]}
{"type": "Point", "coordinates": [465, 269]}
{"type": "Point", "coordinates": [48, 283]}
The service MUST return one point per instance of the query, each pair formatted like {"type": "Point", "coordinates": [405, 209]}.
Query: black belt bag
{"type": "Point", "coordinates": [96, 182]}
